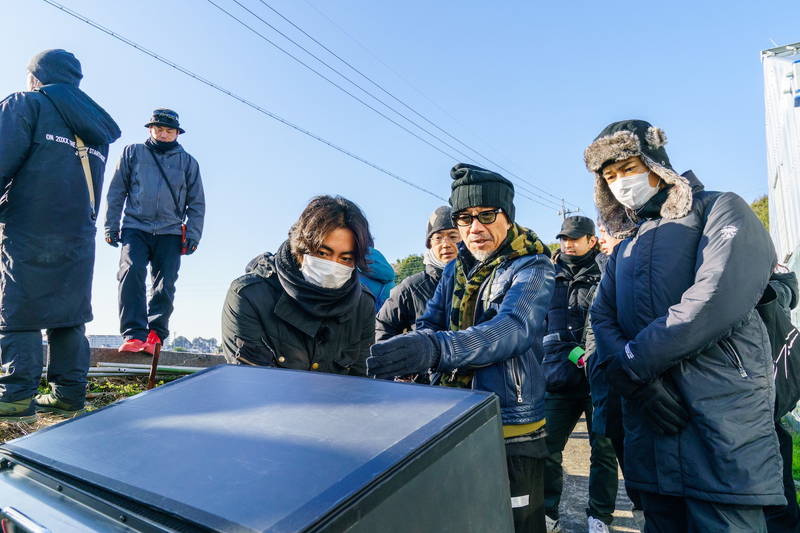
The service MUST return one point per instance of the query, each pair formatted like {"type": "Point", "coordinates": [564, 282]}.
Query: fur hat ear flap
{"type": "Point", "coordinates": [655, 137]}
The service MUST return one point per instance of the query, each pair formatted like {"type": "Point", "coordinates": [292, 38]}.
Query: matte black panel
{"type": "Point", "coordinates": [246, 449]}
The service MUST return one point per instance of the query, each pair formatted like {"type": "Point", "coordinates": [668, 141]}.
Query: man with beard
{"type": "Point", "coordinates": [484, 325]}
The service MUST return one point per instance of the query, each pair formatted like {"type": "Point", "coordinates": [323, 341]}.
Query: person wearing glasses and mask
{"type": "Point", "coordinates": [483, 328]}
{"type": "Point", "coordinates": [408, 300]}
{"type": "Point", "coordinates": [303, 307]}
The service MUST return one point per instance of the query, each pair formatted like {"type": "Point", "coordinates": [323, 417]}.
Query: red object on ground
{"type": "Point", "coordinates": [150, 344]}
{"type": "Point", "coordinates": [132, 345]}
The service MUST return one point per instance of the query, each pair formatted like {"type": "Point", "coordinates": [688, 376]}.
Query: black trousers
{"type": "Point", "coordinates": [784, 519]}
{"type": "Point", "coordinates": [669, 514]}
{"type": "Point", "coordinates": [163, 254]}
{"type": "Point", "coordinates": [525, 462]}
{"type": "Point", "coordinates": [22, 355]}
{"type": "Point", "coordinates": [563, 412]}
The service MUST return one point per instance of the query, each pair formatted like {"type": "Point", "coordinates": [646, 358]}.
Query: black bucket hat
{"type": "Point", "coordinates": [165, 117]}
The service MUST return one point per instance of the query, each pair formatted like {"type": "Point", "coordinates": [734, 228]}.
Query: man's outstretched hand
{"type": "Point", "coordinates": [405, 354]}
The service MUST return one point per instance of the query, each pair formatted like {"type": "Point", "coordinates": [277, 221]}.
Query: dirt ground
{"type": "Point", "coordinates": [576, 489]}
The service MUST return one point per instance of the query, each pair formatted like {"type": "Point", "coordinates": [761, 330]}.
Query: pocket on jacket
{"type": "Point", "coordinates": [561, 374]}
{"type": "Point", "coordinates": [253, 353]}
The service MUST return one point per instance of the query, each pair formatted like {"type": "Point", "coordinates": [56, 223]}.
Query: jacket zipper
{"type": "Point", "coordinates": [733, 355]}
{"type": "Point", "coordinates": [517, 375]}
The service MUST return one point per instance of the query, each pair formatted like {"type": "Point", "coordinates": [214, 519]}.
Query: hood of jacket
{"type": "Point", "coordinates": [83, 115]}
{"type": "Point", "coordinates": [622, 222]}
{"type": "Point", "coordinates": [379, 268]}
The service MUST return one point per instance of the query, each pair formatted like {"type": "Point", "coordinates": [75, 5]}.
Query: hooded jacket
{"type": "Point", "coordinates": [379, 279]}
{"type": "Point", "coordinates": [406, 303]}
{"type": "Point", "coordinates": [678, 299]}
{"type": "Point", "coordinates": [149, 204]}
{"type": "Point", "coordinates": [47, 224]}
{"type": "Point", "coordinates": [265, 324]}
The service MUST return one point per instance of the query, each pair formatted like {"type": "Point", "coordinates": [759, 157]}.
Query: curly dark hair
{"type": "Point", "coordinates": [322, 215]}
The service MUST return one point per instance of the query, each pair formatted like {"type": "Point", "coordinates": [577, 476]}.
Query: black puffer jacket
{"type": "Point", "coordinates": [566, 318]}
{"type": "Point", "coordinates": [406, 303]}
{"type": "Point", "coordinates": [262, 324]}
{"type": "Point", "coordinates": [678, 299]}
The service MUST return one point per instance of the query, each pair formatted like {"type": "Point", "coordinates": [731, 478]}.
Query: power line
{"type": "Point", "coordinates": [326, 64]}
{"type": "Point", "coordinates": [511, 173]}
{"type": "Point", "coordinates": [258, 108]}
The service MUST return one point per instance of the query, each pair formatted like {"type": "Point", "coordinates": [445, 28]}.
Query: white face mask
{"type": "Point", "coordinates": [633, 191]}
{"type": "Point", "coordinates": [325, 273]}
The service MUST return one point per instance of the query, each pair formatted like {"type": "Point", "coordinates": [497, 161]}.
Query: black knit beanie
{"type": "Point", "coordinates": [474, 186]}
{"type": "Point", "coordinates": [624, 139]}
{"type": "Point", "coordinates": [440, 220]}
{"type": "Point", "coordinates": [56, 66]}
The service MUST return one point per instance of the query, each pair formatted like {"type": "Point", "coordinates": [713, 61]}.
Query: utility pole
{"type": "Point", "coordinates": [564, 212]}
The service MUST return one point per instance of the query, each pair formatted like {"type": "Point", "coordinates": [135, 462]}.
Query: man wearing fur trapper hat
{"type": "Point", "coordinates": [679, 337]}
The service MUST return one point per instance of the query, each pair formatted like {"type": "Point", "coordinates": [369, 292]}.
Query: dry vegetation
{"type": "Point", "coordinates": [100, 392]}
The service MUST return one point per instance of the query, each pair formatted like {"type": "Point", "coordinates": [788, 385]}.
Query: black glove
{"type": "Point", "coordinates": [112, 238]}
{"type": "Point", "coordinates": [402, 355]}
{"type": "Point", "coordinates": [661, 405]}
{"type": "Point", "coordinates": [659, 401]}
{"type": "Point", "coordinates": [191, 246]}
{"type": "Point", "coordinates": [619, 380]}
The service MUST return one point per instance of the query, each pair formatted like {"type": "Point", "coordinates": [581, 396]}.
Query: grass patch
{"type": "Point", "coordinates": [796, 461]}
{"type": "Point", "coordinates": [99, 393]}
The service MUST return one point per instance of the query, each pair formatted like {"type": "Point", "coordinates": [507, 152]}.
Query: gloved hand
{"type": "Point", "coordinates": [401, 355]}
{"type": "Point", "coordinates": [619, 379]}
{"type": "Point", "coordinates": [191, 246]}
{"type": "Point", "coordinates": [661, 405]}
{"type": "Point", "coordinates": [112, 238]}
{"type": "Point", "coordinates": [659, 401]}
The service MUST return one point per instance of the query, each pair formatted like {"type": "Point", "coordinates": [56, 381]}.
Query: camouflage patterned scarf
{"type": "Point", "coordinates": [519, 242]}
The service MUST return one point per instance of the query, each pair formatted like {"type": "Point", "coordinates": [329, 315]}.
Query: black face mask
{"type": "Point", "coordinates": [578, 260]}
{"type": "Point", "coordinates": [160, 146]}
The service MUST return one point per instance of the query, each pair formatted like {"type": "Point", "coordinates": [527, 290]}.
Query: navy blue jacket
{"type": "Point", "coordinates": [47, 225]}
{"type": "Point", "coordinates": [504, 346]}
{"type": "Point", "coordinates": [678, 300]}
{"type": "Point", "coordinates": [566, 319]}
{"type": "Point", "coordinates": [149, 205]}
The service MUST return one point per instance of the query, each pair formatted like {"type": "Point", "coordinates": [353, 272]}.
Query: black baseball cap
{"type": "Point", "coordinates": [576, 226]}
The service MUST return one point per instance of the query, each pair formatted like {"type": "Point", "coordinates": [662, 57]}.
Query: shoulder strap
{"type": "Point", "coordinates": [87, 170]}
{"type": "Point", "coordinates": [169, 185]}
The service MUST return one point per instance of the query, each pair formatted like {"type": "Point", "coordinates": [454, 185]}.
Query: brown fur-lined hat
{"type": "Point", "coordinates": [629, 138]}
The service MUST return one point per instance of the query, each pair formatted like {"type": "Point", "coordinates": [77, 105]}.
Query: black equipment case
{"type": "Point", "coordinates": [245, 449]}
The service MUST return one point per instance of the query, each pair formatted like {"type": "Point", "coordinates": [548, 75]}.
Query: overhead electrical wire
{"type": "Point", "coordinates": [235, 96]}
{"type": "Point", "coordinates": [338, 86]}
{"type": "Point", "coordinates": [388, 93]}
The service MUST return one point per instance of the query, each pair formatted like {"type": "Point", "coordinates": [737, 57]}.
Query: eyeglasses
{"type": "Point", "coordinates": [438, 238]}
{"type": "Point", "coordinates": [484, 217]}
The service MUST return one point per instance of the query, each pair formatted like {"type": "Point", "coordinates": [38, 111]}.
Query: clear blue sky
{"type": "Point", "coordinates": [529, 83]}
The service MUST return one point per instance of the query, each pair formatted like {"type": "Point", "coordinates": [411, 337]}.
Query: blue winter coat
{"type": "Point", "coordinates": [149, 205]}
{"type": "Point", "coordinates": [504, 346]}
{"type": "Point", "coordinates": [678, 300]}
{"type": "Point", "coordinates": [47, 225]}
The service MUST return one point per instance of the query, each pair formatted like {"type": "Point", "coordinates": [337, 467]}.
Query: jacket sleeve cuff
{"type": "Point", "coordinates": [633, 366]}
